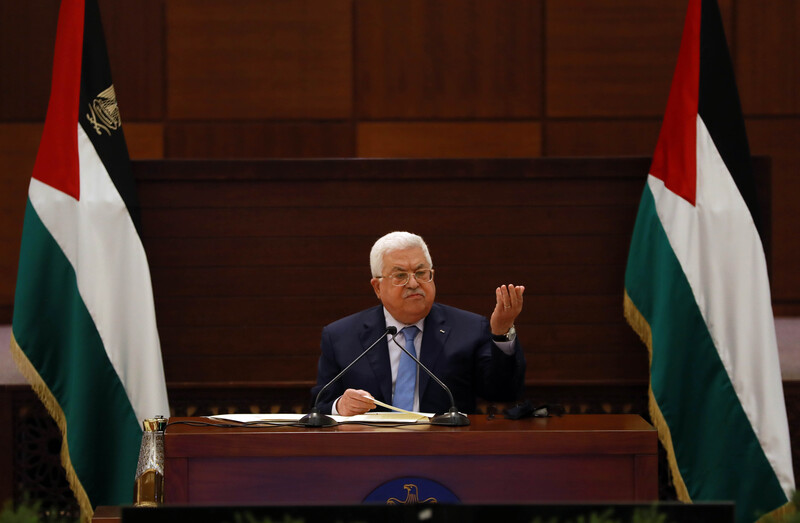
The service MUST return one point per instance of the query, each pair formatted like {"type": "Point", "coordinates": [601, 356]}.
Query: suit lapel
{"type": "Point", "coordinates": [378, 357]}
{"type": "Point", "coordinates": [433, 339]}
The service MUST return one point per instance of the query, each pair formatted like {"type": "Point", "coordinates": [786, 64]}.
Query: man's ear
{"type": "Point", "coordinates": [376, 286]}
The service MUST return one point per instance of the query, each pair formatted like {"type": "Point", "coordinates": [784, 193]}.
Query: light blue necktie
{"type": "Point", "coordinates": [406, 383]}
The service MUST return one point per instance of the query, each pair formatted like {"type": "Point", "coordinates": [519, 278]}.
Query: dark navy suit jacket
{"type": "Point", "coordinates": [456, 346]}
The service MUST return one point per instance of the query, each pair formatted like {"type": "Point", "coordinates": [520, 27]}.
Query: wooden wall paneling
{"type": "Point", "coordinates": [240, 370]}
{"type": "Point", "coordinates": [587, 366]}
{"type": "Point", "coordinates": [313, 280]}
{"type": "Point", "coordinates": [449, 139]}
{"type": "Point", "coordinates": [601, 137]}
{"type": "Point", "coordinates": [260, 140]}
{"type": "Point", "coordinates": [248, 339]}
{"type": "Point", "coordinates": [213, 194]}
{"type": "Point", "coordinates": [313, 250]}
{"type": "Point", "coordinates": [185, 183]}
{"type": "Point", "coordinates": [293, 222]}
{"type": "Point", "coordinates": [134, 34]}
{"type": "Point", "coordinates": [18, 145]}
{"type": "Point", "coordinates": [729, 14]}
{"type": "Point", "coordinates": [420, 59]}
{"type": "Point", "coordinates": [239, 250]}
{"type": "Point", "coordinates": [779, 138]}
{"type": "Point", "coordinates": [607, 60]}
{"type": "Point", "coordinates": [134, 37]}
{"type": "Point", "coordinates": [238, 272]}
{"type": "Point", "coordinates": [201, 311]}
{"type": "Point", "coordinates": [27, 37]}
{"type": "Point", "coordinates": [263, 59]}
{"type": "Point", "coordinates": [259, 339]}
{"type": "Point", "coordinates": [145, 140]}
{"type": "Point", "coordinates": [767, 56]}
{"type": "Point", "coordinates": [598, 366]}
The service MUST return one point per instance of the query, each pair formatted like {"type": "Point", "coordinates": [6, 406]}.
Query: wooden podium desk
{"type": "Point", "coordinates": [596, 458]}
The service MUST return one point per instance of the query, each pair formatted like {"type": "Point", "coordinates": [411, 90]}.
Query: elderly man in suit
{"type": "Point", "coordinates": [474, 356]}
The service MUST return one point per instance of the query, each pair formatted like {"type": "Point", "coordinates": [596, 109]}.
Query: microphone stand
{"type": "Point", "coordinates": [451, 418]}
{"type": "Point", "coordinates": [315, 418]}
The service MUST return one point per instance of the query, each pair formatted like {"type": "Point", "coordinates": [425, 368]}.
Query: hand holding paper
{"type": "Point", "coordinates": [355, 401]}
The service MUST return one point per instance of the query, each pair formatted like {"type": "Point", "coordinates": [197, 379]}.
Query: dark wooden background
{"type": "Point", "coordinates": [402, 78]}
{"type": "Point", "coordinates": [250, 259]}
{"type": "Point", "coordinates": [365, 79]}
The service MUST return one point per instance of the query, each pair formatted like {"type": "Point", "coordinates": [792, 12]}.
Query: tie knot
{"type": "Point", "coordinates": [410, 332]}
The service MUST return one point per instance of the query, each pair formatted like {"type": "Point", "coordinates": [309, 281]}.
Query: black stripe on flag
{"type": "Point", "coordinates": [99, 117]}
{"type": "Point", "coordinates": [719, 107]}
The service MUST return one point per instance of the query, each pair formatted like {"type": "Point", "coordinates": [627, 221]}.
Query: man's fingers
{"type": "Point", "coordinates": [362, 400]}
{"type": "Point", "coordinates": [515, 295]}
{"type": "Point", "coordinates": [503, 300]}
{"type": "Point", "coordinates": [509, 296]}
{"type": "Point", "coordinates": [362, 397]}
{"type": "Point", "coordinates": [355, 401]}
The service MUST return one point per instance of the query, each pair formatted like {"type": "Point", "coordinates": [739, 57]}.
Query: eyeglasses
{"type": "Point", "coordinates": [402, 278]}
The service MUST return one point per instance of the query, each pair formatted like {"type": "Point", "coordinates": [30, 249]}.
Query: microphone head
{"type": "Point", "coordinates": [391, 330]}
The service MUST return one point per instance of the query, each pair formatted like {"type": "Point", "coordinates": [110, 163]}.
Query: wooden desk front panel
{"type": "Point", "coordinates": [575, 458]}
{"type": "Point", "coordinates": [348, 480]}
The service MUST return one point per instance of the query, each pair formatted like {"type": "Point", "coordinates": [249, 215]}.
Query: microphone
{"type": "Point", "coordinates": [316, 419]}
{"type": "Point", "coordinates": [451, 418]}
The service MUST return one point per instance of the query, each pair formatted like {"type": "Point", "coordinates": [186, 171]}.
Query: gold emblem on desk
{"type": "Point", "coordinates": [412, 496]}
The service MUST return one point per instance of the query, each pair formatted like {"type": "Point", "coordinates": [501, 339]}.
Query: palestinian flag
{"type": "Point", "coordinates": [84, 328]}
{"type": "Point", "coordinates": [697, 291]}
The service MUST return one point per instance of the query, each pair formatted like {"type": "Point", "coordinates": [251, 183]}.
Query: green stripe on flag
{"type": "Point", "coordinates": [55, 332]}
{"type": "Point", "coordinates": [708, 427]}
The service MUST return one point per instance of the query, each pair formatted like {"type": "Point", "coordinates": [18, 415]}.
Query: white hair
{"type": "Point", "coordinates": [395, 241]}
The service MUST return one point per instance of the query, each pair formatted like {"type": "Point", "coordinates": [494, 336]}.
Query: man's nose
{"type": "Point", "coordinates": [412, 281]}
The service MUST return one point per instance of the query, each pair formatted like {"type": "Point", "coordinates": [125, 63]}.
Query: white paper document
{"type": "Point", "coordinates": [369, 417]}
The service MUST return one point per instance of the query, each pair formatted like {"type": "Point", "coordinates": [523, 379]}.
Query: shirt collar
{"type": "Point", "coordinates": [391, 322]}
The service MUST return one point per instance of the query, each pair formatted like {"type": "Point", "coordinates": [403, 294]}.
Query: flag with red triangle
{"type": "Point", "coordinates": [697, 291]}
{"type": "Point", "coordinates": [84, 326]}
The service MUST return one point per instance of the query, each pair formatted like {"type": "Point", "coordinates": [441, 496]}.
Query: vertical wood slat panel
{"type": "Point", "coordinates": [145, 140]}
{"type": "Point", "coordinates": [134, 34]}
{"type": "Point", "coordinates": [449, 140]}
{"type": "Point", "coordinates": [18, 145]}
{"type": "Point", "coordinates": [439, 59]}
{"type": "Point", "coordinates": [260, 140]}
{"type": "Point", "coordinates": [768, 56]}
{"type": "Point", "coordinates": [596, 71]}
{"type": "Point", "coordinates": [27, 36]}
{"type": "Point", "coordinates": [602, 137]}
{"type": "Point", "coordinates": [779, 138]}
{"type": "Point", "coordinates": [134, 39]}
{"type": "Point", "coordinates": [505, 43]}
{"type": "Point", "coordinates": [216, 234]}
{"type": "Point", "coordinates": [259, 59]}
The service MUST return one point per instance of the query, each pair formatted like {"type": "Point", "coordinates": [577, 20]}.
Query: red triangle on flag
{"type": "Point", "coordinates": [675, 157]}
{"type": "Point", "coordinates": [57, 162]}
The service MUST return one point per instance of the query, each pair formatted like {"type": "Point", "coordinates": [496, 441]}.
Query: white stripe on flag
{"type": "Point", "coordinates": [721, 254]}
{"type": "Point", "coordinates": [115, 285]}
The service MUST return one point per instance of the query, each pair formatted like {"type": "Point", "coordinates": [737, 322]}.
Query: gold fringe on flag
{"type": "Point", "coordinates": [639, 324]}
{"type": "Point", "coordinates": [51, 404]}
{"type": "Point", "coordinates": [782, 513]}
